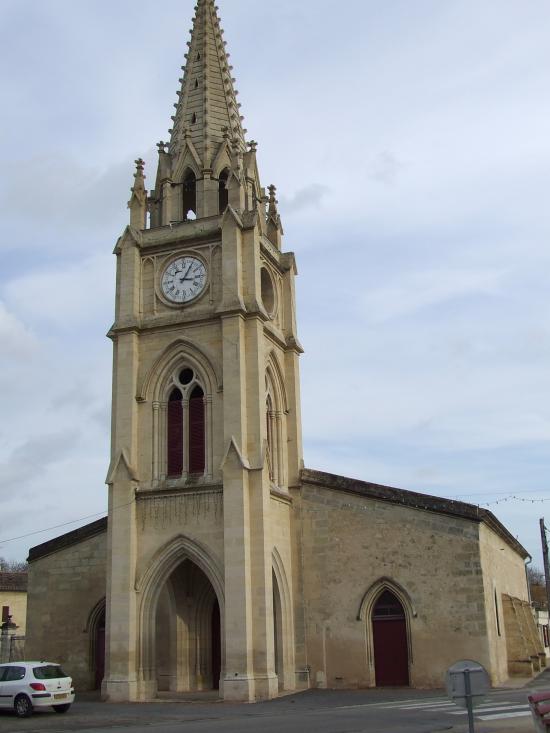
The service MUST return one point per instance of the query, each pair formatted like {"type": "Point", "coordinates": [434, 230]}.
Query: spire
{"type": "Point", "coordinates": [207, 98]}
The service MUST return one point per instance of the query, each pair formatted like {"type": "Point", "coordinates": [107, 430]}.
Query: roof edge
{"type": "Point", "coordinates": [68, 540]}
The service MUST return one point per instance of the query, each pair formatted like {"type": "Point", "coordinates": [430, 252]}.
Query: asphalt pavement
{"type": "Point", "coordinates": [316, 711]}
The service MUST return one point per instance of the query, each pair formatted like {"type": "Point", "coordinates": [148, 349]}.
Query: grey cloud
{"type": "Point", "coordinates": [305, 198]}
{"type": "Point", "coordinates": [385, 168]}
{"type": "Point", "coordinates": [32, 458]}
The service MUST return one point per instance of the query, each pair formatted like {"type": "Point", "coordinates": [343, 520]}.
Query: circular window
{"type": "Point", "coordinates": [186, 376]}
{"type": "Point", "coordinates": [268, 291]}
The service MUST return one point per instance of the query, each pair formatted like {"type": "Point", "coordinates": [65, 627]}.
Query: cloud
{"type": "Point", "coordinates": [427, 288]}
{"type": "Point", "coordinates": [17, 340]}
{"type": "Point", "coordinates": [73, 293]}
{"type": "Point", "coordinates": [385, 168]}
{"type": "Point", "coordinates": [64, 201]}
{"type": "Point", "coordinates": [305, 198]}
{"type": "Point", "coordinates": [33, 458]}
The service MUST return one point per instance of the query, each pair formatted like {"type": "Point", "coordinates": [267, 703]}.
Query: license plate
{"type": "Point", "coordinates": [60, 696]}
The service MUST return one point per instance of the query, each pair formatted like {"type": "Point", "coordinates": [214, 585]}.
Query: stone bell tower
{"type": "Point", "coordinates": [206, 432]}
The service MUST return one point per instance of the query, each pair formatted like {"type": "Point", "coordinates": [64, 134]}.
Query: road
{"type": "Point", "coordinates": [318, 711]}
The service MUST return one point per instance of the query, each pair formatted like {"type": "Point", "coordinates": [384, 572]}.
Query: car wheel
{"type": "Point", "coordinates": [22, 706]}
{"type": "Point", "coordinates": [62, 708]}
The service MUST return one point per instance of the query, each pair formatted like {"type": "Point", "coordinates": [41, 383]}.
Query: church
{"type": "Point", "coordinates": [224, 563]}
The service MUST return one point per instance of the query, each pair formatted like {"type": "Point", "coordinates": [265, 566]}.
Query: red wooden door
{"type": "Point", "coordinates": [391, 653]}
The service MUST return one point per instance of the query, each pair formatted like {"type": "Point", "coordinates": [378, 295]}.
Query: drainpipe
{"type": "Point", "coordinates": [528, 562]}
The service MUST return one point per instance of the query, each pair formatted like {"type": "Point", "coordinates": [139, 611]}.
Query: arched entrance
{"type": "Point", "coordinates": [99, 651]}
{"type": "Point", "coordinates": [187, 631]}
{"type": "Point", "coordinates": [96, 630]}
{"type": "Point", "coordinates": [391, 649]}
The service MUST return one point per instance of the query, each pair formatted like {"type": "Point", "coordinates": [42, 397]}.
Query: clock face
{"type": "Point", "coordinates": [184, 279]}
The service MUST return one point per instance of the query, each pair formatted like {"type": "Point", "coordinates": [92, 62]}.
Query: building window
{"type": "Point", "coordinates": [274, 435]}
{"type": "Point", "coordinates": [270, 428]}
{"type": "Point", "coordinates": [185, 427]}
{"type": "Point", "coordinates": [223, 193]}
{"type": "Point", "coordinates": [189, 189]}
{"type": "Point", "coordinates": [175, 433]}
{"type": "Point", "coordinates": [196, 431]}
{"type": "Point", "coordinates": [545, 635]}
{"type": "Point", "coordinates": [497, 613]}
{"type": "Point", "coordinates": [5, 613]}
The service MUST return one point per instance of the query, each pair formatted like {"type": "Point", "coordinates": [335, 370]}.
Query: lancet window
{"type": "Point", "coordinates": [189, 193]}
{"type": "Point", "coordinates": [186, 427]}
{"type": "Point", "coordinates": [223, 193]}
{"type": "Point", "coordinates": [274, 428]}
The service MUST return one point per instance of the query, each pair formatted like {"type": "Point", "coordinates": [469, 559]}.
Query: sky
{"type": "Point", "coordinates": [409, 143]}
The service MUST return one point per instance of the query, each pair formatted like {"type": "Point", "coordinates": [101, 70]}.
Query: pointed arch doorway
{"type": "Point", "coordinates": [188, 653]}
{"type": "Point", "coordinates": [390, 641]}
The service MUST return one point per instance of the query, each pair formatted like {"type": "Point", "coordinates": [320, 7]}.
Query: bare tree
{"type": "Point", "coordinates": [535, 575]}
{"type": "Point", "coordinates": [13, 566]}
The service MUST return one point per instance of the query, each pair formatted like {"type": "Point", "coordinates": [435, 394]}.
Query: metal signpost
{"type": "Point", "coordinates": [467, 683]}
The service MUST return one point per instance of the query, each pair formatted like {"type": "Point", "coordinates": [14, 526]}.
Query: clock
{"type": "Point", "coordinates": [184, 279]}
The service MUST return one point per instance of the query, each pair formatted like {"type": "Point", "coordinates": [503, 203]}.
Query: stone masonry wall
{"type": "Point", "coordinates": [64, 588]}
{"type": "Point", "coordinates": [348, 543]}
{"type": "Point", "coordinates": [503, 574]}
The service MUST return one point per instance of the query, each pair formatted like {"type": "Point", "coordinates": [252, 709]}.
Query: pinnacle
{"type": "Point", "coordinates": [207, 111]}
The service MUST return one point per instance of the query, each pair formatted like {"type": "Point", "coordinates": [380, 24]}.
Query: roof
{"type": "Point", "coordinates": [68, 540]}
{"type": "Point", "coordinates": [14, 582]}
{"type": "Point", "coordinates": [414, 500]}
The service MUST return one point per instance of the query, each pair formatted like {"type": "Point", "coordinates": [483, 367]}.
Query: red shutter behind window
{"type": "Point", "coordinates": [196, 433]}
{"type": "Point", "coordinates": [175, 438]}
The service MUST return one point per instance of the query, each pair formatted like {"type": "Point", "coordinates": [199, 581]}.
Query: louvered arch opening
{"type": "Point", "coordinates": [197, 433]}
{"type": "Point", "coordinates": [189, 193]}
{"type": "Point", "coordinates": [174, 437]}
{"type": "Point", "coordinates": [223, 193]}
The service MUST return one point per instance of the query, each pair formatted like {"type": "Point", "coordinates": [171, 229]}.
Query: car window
{"type": "Point", "coordinates": [48, 672]}
{"type": "Point", "coordinates": [3, 671]}
{"type": "Point", "coordinates": [14, 673]}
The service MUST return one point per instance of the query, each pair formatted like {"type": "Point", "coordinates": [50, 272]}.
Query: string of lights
{"type": "Point", "coordinates": [513, 497]}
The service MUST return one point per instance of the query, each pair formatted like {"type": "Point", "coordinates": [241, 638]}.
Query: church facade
{"type": "Point", "coordinates": [224, 563]}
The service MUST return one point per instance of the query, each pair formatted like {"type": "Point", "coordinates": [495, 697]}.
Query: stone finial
{"type": "Point", "coordinates": [253, 145]}
{"type": "Point", "coordinates": [162, 146]}
{"type": "Point", "coordinates": [274, 226]}
{"type": "Point", "coordinates": [138, 200]}
{"type": "Point", "coordinates": [272, 200]}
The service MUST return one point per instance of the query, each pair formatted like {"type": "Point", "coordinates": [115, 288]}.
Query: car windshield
{"type": "Point", "coordinates": [48, 672]}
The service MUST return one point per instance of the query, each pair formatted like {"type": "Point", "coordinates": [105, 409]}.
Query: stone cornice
{"type": "Point", "coordinates": [185, 231]}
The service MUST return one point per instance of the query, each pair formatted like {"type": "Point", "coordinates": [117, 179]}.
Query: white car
{"type": "Point", "coordinates": [28, 685]}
